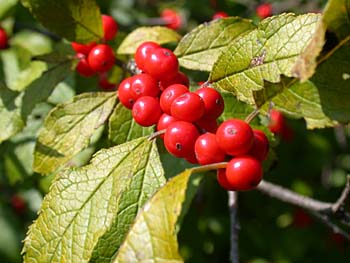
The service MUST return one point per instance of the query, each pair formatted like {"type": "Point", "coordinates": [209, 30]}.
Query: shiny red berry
{"type": "Point", "coordinates": [104, 83]}
{"type": "Point", "coordinates": [172, 18]}
{"type": "Point", "coordinates": [188, 107]}
{"type": "Point", "coordinates": [146, 111]}
{"type": "Point", "coordinates": [83, 67]}
{"type": "Point", "coordinates": [110, 27]}
{"type": "Point", "coordinates": [170, 94]}
{"type": "Point", "coordinates": [243, 173]}
{"type": "Point", "coordinates": [235, 137]}
{"type": "Point", "coordinates": [277, 121]}
{"type": "Point", "coordinates": [264, 10]}
{"type": "Point", "coordinates": [213, 101]}
{"type": "Point", "coordinates": [124, 93]}
{"type": "Point", "coordinates": [83, 48]}
{"type": "Point", "coordinates": [144, 85]}
{"type": "Point", "coordinates": [180, 137]}
{"type": "Point", "coordinates": [143, 52]}
{"type": "Point", "coordinates": [178, 78]}
{"type": "Point", "coordinates": [222, 179]}
{"type": "Point", "coordinates": [207, 149]}
{"type": "Point", "coordinates": [219, 14]}
{"type": "Point", "coordinates": [161, 64]}
{"type": "Point", "coordinates": [164, 121]}
{"type": "Point", "coordinates": [3, 39]}
{"type": "Point", "coordinates": [101, 58]}
{"type": "Point", "coordinates": [260, 148]}
{"type": "Point", "coordinates": [207, 124]}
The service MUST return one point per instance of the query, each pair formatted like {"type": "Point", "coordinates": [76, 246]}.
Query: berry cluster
{"type": "Point", "coordinates": [98, 58]}
{"type": "Point", "coordinates": [160, 95]}
{"type": "Point", "coordinates": [3, 39]}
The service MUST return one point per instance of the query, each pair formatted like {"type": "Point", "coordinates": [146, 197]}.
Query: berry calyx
{"type": "Point", "coordinates": [161, 64]}
{"type": "Point", "coordinates": [143, 52]}
{"type": "Point", "coordinates": [213, 101]}
{"type": "Point", "coordinates": [179, 138]}
{"type": "Point", "coordinates": [101, 58]}
{"type": "Point", "coordinates": [264, 10]}
{"type": "Point", "coordinates": [83, 48]}
{"type": "Point", "coordinates": [110, 27]}
{"type": "Point", "coordinates": [146, 111]}
{"type": "Point", "coordinates": [260, 148]}
{"type": "Point", "coordinates": [188, 107]}
{"type": "Point", "coordinates": [172, 18]}
{"type": "Point", "coordinates": [3, 38]}
{"type": "Point", "coordinates": [170, 94]}
{"type": "Point", "coordinates": [207, 150]}
{"type": "Point", "coordinates": [243, 173]}
{"type": "Point", "coordinates": [235, 137]}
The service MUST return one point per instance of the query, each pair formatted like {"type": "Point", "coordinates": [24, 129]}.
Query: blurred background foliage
{"type": "Point", "coordinates": [314, 163]}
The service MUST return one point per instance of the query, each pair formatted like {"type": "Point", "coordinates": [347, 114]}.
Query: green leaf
{"type": "Point", "coordinates": [263, 54]}
{"type": "Point", "coordinates": [199, 49]}
{"type": "Point", "coordinates": [75, 20]}
{"type": "Point", "coordinates": [85, 204]}
{"type": "Point", "coordinates": [234, 108]}
{"type": "Point", "coordinates": [6, 6]}
{"type": "Point", "coordinates": [298, 100]}
{"type": "Point", "coordinates": [36, 43]}
{"type": "Point", "coordinates": [158, 34]}
{"type": "Point", "coordinates": [123, 128]}
{"type": "Point", "coordinates": [68, 129]}
{"type": "Point", "coordinates": [336, 20]}
{"type": "Point", "coordinates": [152, 238]}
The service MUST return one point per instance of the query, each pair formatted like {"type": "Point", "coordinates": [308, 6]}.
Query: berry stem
{"type": "Point", "coordinates": [252, 115]}
{"type": "Point", "coordinates": [234, 225]}
{"type": "Point", "coordinates": [156, 134]}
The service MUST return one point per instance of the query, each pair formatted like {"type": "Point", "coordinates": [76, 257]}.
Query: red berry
{"type": "Point", "coordinates": [104, 83]}
{"type": "Point", "coordinates": [101, 58]}
{"type": "Point", "coordinates": [172, 18]}
{"type": "Point", "coordinates": [146, 111]}
{"type": "Point", "coordinates": [180, 137]}
{"type": "Point", "coordinates": [124, 93]}
{"type": "Point", "coordinates": [161, 64]}
{"type": "Point", "coordinates": [235, 137]}
{"type": "Point", "coordinates": [83, 67]}
{"type": "Point", "coordinates": [276, 121]}
{"type": "Point", "coordinates": [83, 48]}
{"type": "Point", "coordinates": [213, 101]}
{"type": "Point", "coordinates": [110, 27]}
{"type": "Point", "coordinates": [219, 14]}
{"type": "Point", "coordinates": [3, 39]}
{"type": "Point", "coordinates": [264, 10]}
{"type": "Point", "coordinates": [192, 158]}
{"type": "Point", "coordinates": [143, 52]}
{"type": "Point", "coordinates": [170, 94]}
{"type": "Point", "coordinates": [164, 122]}
{"type": "Point", "coordinates": [243, 173]}
{"type": "Point", "coordinates": [207, 150]}
{"type": "Point", "coordinates": [178, 78]}
{"type": "Point", "coordinates": [188, 107]}
{"type": "Point", "coordinates": [222, 179]}
{"type": "Point", "coordinates": [260, 148]}
{"type": "Point", "coordinates": [144, 85]}
{"type": "Point", "coordinates": [206, 124]}
{"type": "Point", "coordinates": [18, 204]}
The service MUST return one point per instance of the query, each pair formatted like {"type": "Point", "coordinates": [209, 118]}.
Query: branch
{"type": "Point", "coordinates": [336, 229]}
{"type": "Point", "coordinates": [232, 203]}
{"type": "Point", "coordinates": [341, 200]}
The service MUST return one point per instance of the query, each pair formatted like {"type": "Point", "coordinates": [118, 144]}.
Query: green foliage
{"type": "Point", "coordinates": [75, 20]}
{"type": "Point", "coordinates": [94, 205]}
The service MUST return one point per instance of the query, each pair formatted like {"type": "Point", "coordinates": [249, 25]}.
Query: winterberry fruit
{"type": "Point", "coordinates": [18, 204]}
{"type": "Point", "coordinates": [222, 179]}
{"type": "Point", "coordinates": [172, 18]}
{"type": "Point", "coordinates": [260, 148]}
{"type": "Point", "coordinates": [170, 94]}
{"type": "Point", "coordinates": [144, 85]}
{"type": "Point", "coordinates": [207, 149]}
{"type": "Point", "coordinates": [104, 83]}
{"type": "Point", "coordinates": [188, 107]}
{"type": "Point", "coordinates": [207, 124]}
{"type": "Point", "coordinates": [146, 111]}
{"type": "Point", "coordinates": [179, 138]}
{"type": "Point", "coordinates": [143, 52]}
{"type": "Point", "coordinates": [110, 27]}
{"type": "Point", "coordinates": [235, 137]}
{"type": "Point", "coordinates": [101, 58]}
{"type": "Point", "coordinates": [178, 78]}
{"type": "Point", "coordinates": [83, 67]}
{"type": "Point", "coordinates": [219, 14]}
{"type": "Point", "coordinates": [162, 64]}
{"type": "Point", "coordinates": [164, 121]}
{"type": "Point", "coordinates": [83, 48]}
{"type": "Point", "coordinates": [3, 39]}
{"type": "Point", "coordinates": [213, 101]}
{"type": "Point", "coordinates": [264, 10]}
{"type": "Point", "coordinates": [124, 93]}
{"type": "Point", "coordinates": [243, 173]}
